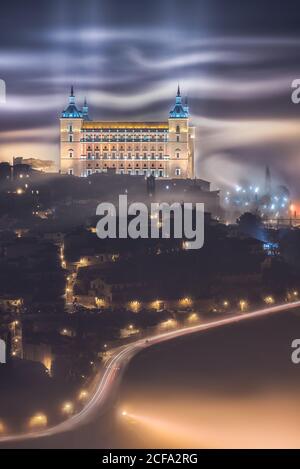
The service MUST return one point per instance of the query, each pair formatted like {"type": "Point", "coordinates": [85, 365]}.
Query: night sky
{"type": "Point", "coordinates": [234, 59]}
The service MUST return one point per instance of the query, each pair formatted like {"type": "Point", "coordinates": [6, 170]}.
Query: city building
{"type": "Point", "coordinates": [162, 149]}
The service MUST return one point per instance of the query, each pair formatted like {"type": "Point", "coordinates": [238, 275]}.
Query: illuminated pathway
{"type": "Point", "coordinates": [120, 358]}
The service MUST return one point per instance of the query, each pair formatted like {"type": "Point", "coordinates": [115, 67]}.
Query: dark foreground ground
{"type": "Point", "coordinates": [230, 387]}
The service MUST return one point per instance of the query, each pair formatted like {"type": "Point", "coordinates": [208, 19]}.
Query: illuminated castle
{"type": "Point", "coordinates": [162, 149]}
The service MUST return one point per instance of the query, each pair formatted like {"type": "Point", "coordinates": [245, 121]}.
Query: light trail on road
{"type": "Point", "coordinates": [121, 357]}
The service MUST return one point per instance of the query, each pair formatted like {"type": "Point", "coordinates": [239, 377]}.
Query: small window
{"type": "Point", "coordinates": [177, 129]}
{"type": "Point", "coordinates": [177, 138]}
{"type": "Point", "coordinates": [177, 172]}
{"type": "Point", "coordinates": [178, 154]}
{"type": "Point", "coordinates": [70, 171]}
{"type": "Point", "coordinates": [70, 138]}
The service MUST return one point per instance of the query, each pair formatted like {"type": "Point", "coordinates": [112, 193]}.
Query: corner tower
{"type": "Point", "coordinates": [70, 138]}
{"type": "Point", "coordinates": [181, 140]}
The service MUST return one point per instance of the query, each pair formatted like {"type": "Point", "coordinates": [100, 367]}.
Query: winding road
{"type": "Point", "coordinates": [118, 362]}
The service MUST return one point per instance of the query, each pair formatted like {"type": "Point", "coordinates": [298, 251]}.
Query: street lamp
{"type": "Point", "coordinates": [67, 408]}
{"type": "Point", "coordinates": [38, 420]}
{"type": "Point", "coordinates": [83, 395]}
{"type": "Point", "coordinates": [269, 300]}
{"type": "Point", "coordinates": [243, 305]}
{"type": "Point", "coordinates": [2, 427]}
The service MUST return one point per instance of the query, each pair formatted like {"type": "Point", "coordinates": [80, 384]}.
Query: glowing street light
{"type": "Point", "coordinates": [243, 305]}
{"type": "Point", "coordinates": [38, 421]}
{"type": "Point", "coordinates": [124, 413]}
{"type": "Point", "coordinates": [83, 395]}
{"type": "Point", "coordinates": [269, 300]}
{"type": "Point", "coordinates": [169, 323]}
{"type": "Point", "coordinates": [67, 408]}
{"type": "Point", "coordinates": [193, 317]}
{"type": "Point", "coordinates": [2, 427]}
{"type": "Point", "coordinates": [225, 303]}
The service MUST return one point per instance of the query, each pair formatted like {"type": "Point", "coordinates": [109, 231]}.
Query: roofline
{"type": "Point", "coordinates": [124, 125]}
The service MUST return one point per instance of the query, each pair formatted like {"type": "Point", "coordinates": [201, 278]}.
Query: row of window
{"type": "Point", "coordinates": [137, 172]}
{"type": "Point", "coordinates": [106, 138]}
{"type": "Point", "coordinates": [70, 128]}
{"type": "Point", "coordinates": [145, 139]}
{"type": "Point", "coordinates": [128, 149]}
{"type": "Point", "coordinates": [121, 156]}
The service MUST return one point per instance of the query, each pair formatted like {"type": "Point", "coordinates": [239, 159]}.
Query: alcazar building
{"type": "Point", "coordinates": [162, 149]}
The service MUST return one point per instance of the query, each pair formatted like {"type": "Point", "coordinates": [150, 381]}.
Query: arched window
{"type": "Point", "coordinates": [71, 153]}
{"type": "Point", "coordinates": [177, 129]}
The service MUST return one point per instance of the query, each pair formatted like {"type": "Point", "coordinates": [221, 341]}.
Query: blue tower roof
{"type": "Point", "coordinates": [179, 111]}
{"type": "Point", "coordinates": [85, 111]}
{"type": "Point", "coordinates": [71, 111]}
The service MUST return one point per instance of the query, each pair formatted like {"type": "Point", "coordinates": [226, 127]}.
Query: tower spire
{"type": "Point", "coordinates": [71, 111]}
{"type": "Point", "coordinates": [72, 96]}
{"type": "Point", "coordinates": [85, 110]}
{"type": "Point", "coordinates": [180, 110]}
